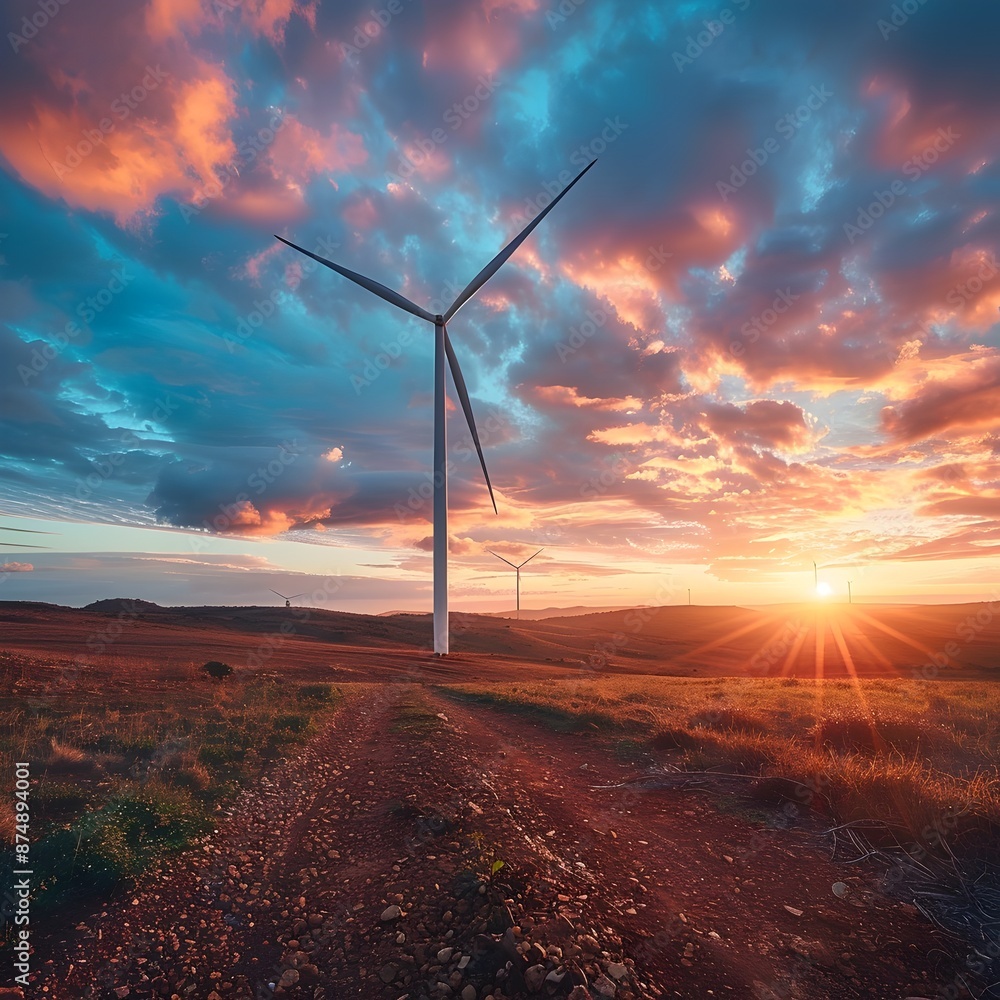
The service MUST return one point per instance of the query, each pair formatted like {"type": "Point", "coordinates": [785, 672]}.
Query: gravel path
{"type": "Point", "coordinates": [363, 868]}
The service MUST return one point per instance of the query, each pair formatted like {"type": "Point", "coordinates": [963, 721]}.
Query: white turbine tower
{"type": "Point", "coordinates": [443, 351]}
{"type": "Point", "coordinates": [517, 567]}
{"type": "Point", "coordinates": [288, 600]}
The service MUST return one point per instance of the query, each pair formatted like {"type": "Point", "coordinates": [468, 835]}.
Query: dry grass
{"type": "Point", "coordinates": [921, 757]}
{"type": "Point", "coordinates": [123, 750]}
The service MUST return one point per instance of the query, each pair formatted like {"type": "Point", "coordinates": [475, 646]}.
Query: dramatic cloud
{"type": "Point", "coordinates": [763, 326]}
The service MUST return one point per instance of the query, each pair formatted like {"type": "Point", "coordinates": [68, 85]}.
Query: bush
{"type": "Point", "coordinates": [315, 692]}
{"type": "Point", "coordinates": [217, 670]}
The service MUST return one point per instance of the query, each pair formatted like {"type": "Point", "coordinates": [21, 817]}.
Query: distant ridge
{"type": "Point", "coordinates": [528, 615]}
{"type": "Point", "coordinates": [115, 604]}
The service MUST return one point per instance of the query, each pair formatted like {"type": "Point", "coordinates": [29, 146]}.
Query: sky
{"type": "Point", "coordinates": [760, 332]}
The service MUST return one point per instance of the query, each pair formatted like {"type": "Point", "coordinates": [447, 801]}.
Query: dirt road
{"type": "Point", "coordinates": [362, 868]}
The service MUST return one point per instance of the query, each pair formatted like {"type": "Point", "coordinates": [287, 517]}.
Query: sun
{"type": "Point", "coordinates": [823, 590]}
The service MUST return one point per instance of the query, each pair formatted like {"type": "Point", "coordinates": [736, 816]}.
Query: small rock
{"type": "Point", "coordinates": [580, 993]}
{"type": "Point", "coordinates": [444, 954]}
{"type": "Point", "coordinates": [794, 912]}
{"type": "Point", "coordinates": [603, 987]}
{"type": "Point", "coordinates": [469, 993]}
{"type": "Point", "coordinates": [122, 991]}
{"type": "Point", "coordinates": [617, 971]}
{"type": "Point", "coordinates": [534, 977]}
{"type": "Point", "coordinates": [388, 973]}
{"type": "Point", "coordinates": [391, 913]}
{"type": "Point", "coordinates": [841, 889]}
{"type": "Point", "coordinates": [288, 978]}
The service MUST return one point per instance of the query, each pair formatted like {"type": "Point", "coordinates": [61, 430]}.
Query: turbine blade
{"type": "Point", "coordinates": [501, 558]}
{"type": "Point", "coordinates": [528, 560]}
{"type": "Point", "coordinates": [501, 258]}
{"type": "Point", "coordinates": [292, 598]}
{"type": "Point", "coordinates": [373, 286]}
{"type": "Point", "coordinates": [463, 395]}
{"type": "Point", "coordinates": [282, 596]}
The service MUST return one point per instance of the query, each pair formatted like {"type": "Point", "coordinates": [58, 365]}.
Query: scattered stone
{"type": "Point", "coordinates": [840, 889]}
{"type": "Point", "coordinates": [603, 987]}
{"type": "Point", "coordinates": [445, 954]}
{"type": "Point", "coordinates": [469, 993]}
{"type": "Point", "coordinates": [391, 913]}
{"type": "Point", "coordinates": [617, 971]}
{"type": "Point", "coordinates": [288, 978]}
{"type": "Point", "coordinates": [534, 977]}
{"type": "Point", "coordinates": [580, 993]}
{"type": "Point", "coordinates": [388, 973]}
{"type": "Point", "coordinates": [794, 912]}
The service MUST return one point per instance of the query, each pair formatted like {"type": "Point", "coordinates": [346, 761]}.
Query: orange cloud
{"type": "Point", "coordinates": [171, 142]}
{"type": "Point", "coordinates": [300, 152]}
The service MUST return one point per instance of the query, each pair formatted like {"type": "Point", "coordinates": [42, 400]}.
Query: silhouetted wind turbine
{"type": "Point", "coordinates": [288, 600]}
{"type": "Point", "coordinates": [442, 351]}
{"type": "Point", "coordinates": [517, 567]}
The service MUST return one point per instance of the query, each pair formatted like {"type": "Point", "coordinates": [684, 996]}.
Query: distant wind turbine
{"type": "Point", "coordinates": [517, 567]}
{"type": "Point", "coordinates": [443, 351]}
{"type": "Point", "coordinates": [287, 600]}
{"type": "Point", "coordinates": [849, 599]}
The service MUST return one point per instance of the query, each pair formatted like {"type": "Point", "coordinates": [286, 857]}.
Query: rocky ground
{"type": "Point", "coordinates": [370, 866]}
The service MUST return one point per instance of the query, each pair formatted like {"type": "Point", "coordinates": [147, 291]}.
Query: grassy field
{"type": "Point", "coordinates": [920, 758]}
{"type": "Point", "coordinates": [129, 763]}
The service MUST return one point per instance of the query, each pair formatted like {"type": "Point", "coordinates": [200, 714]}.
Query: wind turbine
{"type": "Point", "coordinates": [443, 351]}
{"type": "Point", "coordinates": [288, 600]}
{"type": "Point", "coordinates": [849, 598]}
{"type": "Point", "coordinates": [518, 568]}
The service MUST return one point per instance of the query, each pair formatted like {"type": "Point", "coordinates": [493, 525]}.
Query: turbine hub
{"type": "Point", "coordinates": [439, 320]}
